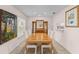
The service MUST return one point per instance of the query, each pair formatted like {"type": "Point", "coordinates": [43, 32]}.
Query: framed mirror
{"type": "Point", "coordinates": [39, 24]}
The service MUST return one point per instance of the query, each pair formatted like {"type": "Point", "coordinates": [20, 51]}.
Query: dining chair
{"type": "Point", "coordinates": [30, 46]}
{"type": "Point", "coordinates": [46, 47]}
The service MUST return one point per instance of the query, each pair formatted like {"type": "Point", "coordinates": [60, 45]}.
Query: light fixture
{"type": "Point", "coordinates": [53, 12]}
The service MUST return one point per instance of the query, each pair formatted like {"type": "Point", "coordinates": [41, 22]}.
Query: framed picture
{"type": "Point", "coordinates": [39, 24]}
{"type": "Point", "coordinates": [8, 26]}
{"type": "Point", "coordinates": [72, 17]}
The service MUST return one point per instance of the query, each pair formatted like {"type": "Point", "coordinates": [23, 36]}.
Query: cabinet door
{"type": "Point", "coordinates": [46, 26]}
{"type": "Point", "coordinates": [33, 27]}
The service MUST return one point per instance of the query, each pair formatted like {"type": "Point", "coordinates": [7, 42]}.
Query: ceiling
{"type": "Point", "coordinates": [40, 10]}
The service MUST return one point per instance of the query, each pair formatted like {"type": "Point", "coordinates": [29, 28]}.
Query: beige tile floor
{"type": "Point", "coordinates": [60, 49]}
{"type": "Point", "coordinates": [57, 49]}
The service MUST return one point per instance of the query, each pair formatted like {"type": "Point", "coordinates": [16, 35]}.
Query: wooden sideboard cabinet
{"type": "Point", "coordinates": [40, 26]}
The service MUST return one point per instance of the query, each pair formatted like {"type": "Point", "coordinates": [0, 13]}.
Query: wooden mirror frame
{"type": "Point", "coordinates": [39, 29]}
{"type": "Point", "coordinates": [39, 21]}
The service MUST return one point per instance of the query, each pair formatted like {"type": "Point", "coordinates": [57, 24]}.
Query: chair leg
{"type": "Point", "coordinates": [35, 50]}
{"type": "Point", "coordinates": [25, 52]}
{"type": "Point", "coordinates": [52, 51]}
{"type": "Point", "coordinates": [42, 50]}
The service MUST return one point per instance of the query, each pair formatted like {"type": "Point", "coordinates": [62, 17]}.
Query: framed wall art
{"type": "Point", "coordinates": [20, 26]}
{"type": "Point", "coordinates": [8, 26]}
{"type": "Point", "coordinates": [72, 17]}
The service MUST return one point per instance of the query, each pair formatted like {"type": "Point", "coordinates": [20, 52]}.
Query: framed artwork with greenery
{"type": "Point", "coordinates": [8, 26]}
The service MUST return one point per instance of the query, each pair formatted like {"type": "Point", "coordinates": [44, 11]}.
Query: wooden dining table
{"type": "Point", "coordinates": [39, 39]}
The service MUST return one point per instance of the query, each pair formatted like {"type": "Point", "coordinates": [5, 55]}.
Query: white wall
{"type": "Point", "coordinates": [70, 37]}
{"type": "Point", "coordinates": [9, 46]}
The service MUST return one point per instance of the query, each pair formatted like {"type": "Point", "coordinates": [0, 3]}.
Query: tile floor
{"type": "Point", "coordinates": [57, 49]}
{"type": "Point", "coordinates": [60, 49]}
